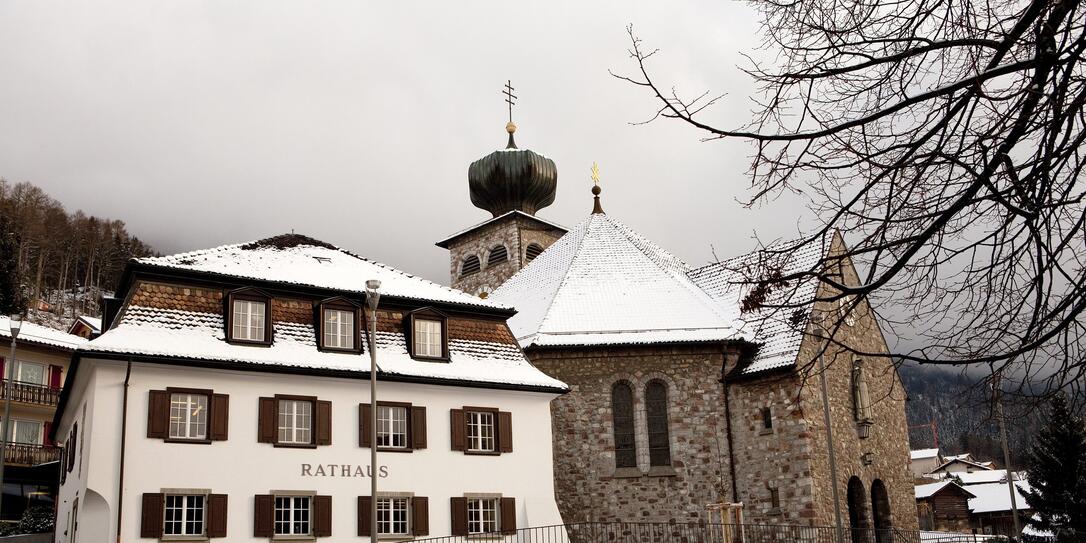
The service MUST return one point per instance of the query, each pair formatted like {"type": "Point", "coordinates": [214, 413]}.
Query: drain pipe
{"type": "Point", "coordinates": [731, 447]}
{"type": "Point", "coordinates": [124, 435]}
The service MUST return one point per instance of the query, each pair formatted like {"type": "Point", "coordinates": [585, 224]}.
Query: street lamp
{"type": "Point", "coordinates": [372, 296]}
{"type": "Point", "coordinates": [15, 323]}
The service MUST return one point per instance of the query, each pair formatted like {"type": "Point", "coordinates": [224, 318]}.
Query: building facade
{"type": "Point", "coordinates": [34, 379]}
{"type": "Point", "coordinates": [229, 398]}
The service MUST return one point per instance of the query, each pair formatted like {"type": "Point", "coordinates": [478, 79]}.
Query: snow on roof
{"type": "Point", "coordinates": [777, 330]}
{"type": "Point", "coordinates": [955, 460]}
{"type": "Point", "coordinates": [604, 284]}
{"type": "Point", "coordinates": [929, 490]}
{"type": "Point", "coordinates": [983, 476]}
{"type": "Point", "coordinates": [200, 336]}
{"type": "Point", "coordinates": [919, 454]}
{"type": "Point", "coordinates": [299, 260]}
{"type": "Point", "coordinates": [444, 244]}
{"type": "Point", "coordinates": [94, 323]}
{"type": "Point", "coordinates": [41, 335]}
{"type": "Point", "coordinates": [993, 497]}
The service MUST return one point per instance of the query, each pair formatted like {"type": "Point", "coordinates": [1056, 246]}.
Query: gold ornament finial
{"type": "Point", "coordinates": [510, 127]}
{"type": "Point", "coordinates": [595, 174]}
{"type": "Point", "coordinates": [596, 207]}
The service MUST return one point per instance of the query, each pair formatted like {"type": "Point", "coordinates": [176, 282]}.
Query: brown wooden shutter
{"type": "Point", "coordinates": [220, 417]}
{"type": "Point", "coordinates": [264, 515]}
{"type": "Point", "coordinates": [505, 431]}
{"type": "Point", "coordinates": [216, 515]}
{"type": "Point", "coordinates": [322, 516]}
{"type": "Point", "coordinates": [459, 429]}
{"type": "Point", "coordinates": [267, 423]}
{"type": "Point", "coordinates": [420, 516]}
{"type": "Point", "coordinates": [365, 415]}
{"type": "Point", "coordinates": [365, 504]}
{"type": "Point", "coordinates": [158, 415]}
{"type": "Point", "coordinates": [418, 427]}
{"type": "Point", "coordinates": [458, 507]}
{"type": "Point", "coordinates": [151, 521]}
{"type": "Point", "coordinates": [73, 437]}
{"type": "Point", "coordinates": [509, 516]}
{"type": "Point", "coordinates": [324, 422]}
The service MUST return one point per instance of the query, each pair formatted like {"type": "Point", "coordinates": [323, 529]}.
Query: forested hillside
{"type": "Point", "coordinates": [56, 263]}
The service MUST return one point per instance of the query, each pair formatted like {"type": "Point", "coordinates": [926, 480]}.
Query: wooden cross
{"type": "Point", "coordinates": [510, 98]}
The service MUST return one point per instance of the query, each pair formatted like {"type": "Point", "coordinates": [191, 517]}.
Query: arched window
{"type": "Point", "coordinates": [470, 266]}
{"type": "Point", "coordinates": [497, 255]}
{"type": "Point", "coordinates": [858, 519]}
{"type": "Point", "coordinates": [656, 416]}
{"type": "Point", "coordinates": [532, 251]}
{"type": "Point", "coordinates": [880, 512]}
{"type": "Point", "coordinates": [623, 415]}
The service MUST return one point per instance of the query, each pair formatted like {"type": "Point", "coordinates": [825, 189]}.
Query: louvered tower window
{"type": "Point", "coordinates": [623, 414]}
{"type": "Point", "coordinates": [656, 415]}
{"type": "Point", "coordinates": [532, 251]}
{"type": "Point", "coordinates": [471, 265]}
{"type": "Point", "coordinates": [497, 255]}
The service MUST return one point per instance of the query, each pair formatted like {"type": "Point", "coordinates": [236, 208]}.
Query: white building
{"type": "Point", "coordinates": [195, 415]}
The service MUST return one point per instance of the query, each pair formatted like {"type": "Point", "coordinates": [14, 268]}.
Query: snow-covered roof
{"type": "Point", "coordinates": [604, 284]}
{"type": "Point", "coordinates": [200, 336]}
{"type": "Point", "coordinates": [94, 323]}
{"type": "Point", "coordinates": [958, 460]}
{"type": "Point", "coordinates": [920, 454]}
{"type": "Point", "coordinates": [298, 260]}
{"type": "Point", "coordinates": [777, 330]}
{"type": "Point", "coordinates": [983, 476]}
{"type": "Point", "coordinates": [444, 244]}
{"type": "Point", "coordinates": [993, 497]}
{"type": "Point", "coordinates": [40, 335]}
{"type": "Point", "coordinates": [929, 490]}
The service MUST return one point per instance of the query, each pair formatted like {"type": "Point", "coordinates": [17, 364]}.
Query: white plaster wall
{"type": "Point", "coordinates": [241, 467]}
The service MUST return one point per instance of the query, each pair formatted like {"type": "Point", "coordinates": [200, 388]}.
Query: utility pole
{"type": "Point", "coordinates": [997, 392]}
{"type": "Point", "coordinates": [820, 332]}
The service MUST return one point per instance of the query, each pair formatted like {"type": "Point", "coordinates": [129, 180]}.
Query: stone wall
{"type": "Point", "coordinates": [586, 483]}
{"type": "Point", "coordinates": [884, 455]}
{"type": "Point", "coordinates": [514, 233]}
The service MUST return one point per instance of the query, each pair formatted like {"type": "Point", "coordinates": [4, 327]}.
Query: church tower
{"type": "Point", "coordinates": [512, 184]}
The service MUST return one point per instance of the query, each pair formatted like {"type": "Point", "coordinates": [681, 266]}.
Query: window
{"type": "Point", "coordinates": [532, 251]}
{"type": "Point", "coordinates": [767, 420]}
{"type": "Point", "coordinates": [392, 426]}
{"type": "Point", "coordinates": [623, 415]}
{"type": "Point", "coordinates": [471, 265]}
{"type": "Point", "coordinates": [392, 515]}
{"type": "Point", "coordinates": [295, 421]}
{"type": "Point", "coordinates": [188, 416]}
{"type": "Point", "coordinates": [292, 515]}
{"type": "Point", "coordinates": [428, 338]}
{"type": "Point", "coordinates": [339, 329]}
{"type": "Point", "coordinates": [774, 499]}
{"type": "Point", "coordinates": [497, 256]}
{"type": "Point", "coordinates": [26, 432]}
{"type": "Point", "coordinates": [26, 372]}
{"type": "Point", "coordinates": [656, 414]}
{"type": "Point", "coordinates": [480, 431]}
{"type": "Point", "coordinates": [184, 515]}
{"type": "Point", "coordinates": [482, 515]}
{"type": "Point", "coordinates": [248, 320]}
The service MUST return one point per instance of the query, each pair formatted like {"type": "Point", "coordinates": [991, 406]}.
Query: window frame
{"type": "Point", "coordinates": [666, 416]}
{"type": "Point", "coordinates": [209, 395]}
{"type": "Point", "coordinates": [12, 432]}
{"type": "Point", "coordinates": [10, 370]}
{"type": "Point", "coordinates": [431, 314]}
{"type": "Point", "coordinates": [202, 536]}
{"type": "Point", "coordinates": [408, 512]}
{"type": "Point", "coordinates": [338, 303]}
{"type": "Point", "coordinates": [312, 401]}
{"type": "Point", "coordinates": [248, 294]}
{"type": "Point", "coordinates": [407, 434]}
{"type": "Point", "coordinates": [528, 258]}
{"type": "Point", "coordinates": [495, 425]}
{"type": "Point", "coordinates": [490, 256]}
{"type": "Point", "coordinates": [765, 418]}
{"type": "Point", "coordinates": [629, 429]}
{"type": "Point", "coordinates": [463, 264]}
{"type": "Point", "coordinates": [310, 521]}
{"type": "Point", "coordinates": [497, 501]}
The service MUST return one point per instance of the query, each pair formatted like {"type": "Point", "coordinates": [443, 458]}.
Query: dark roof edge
{"type": "Point", "coordinates": [444, 243]}
{"type": "Point", "coordinates": [73, 369]}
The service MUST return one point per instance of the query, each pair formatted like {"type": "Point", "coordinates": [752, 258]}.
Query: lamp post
{"type": "Point", "coordinates": [372, 296]}
{"type": "Point", "coordinates": [15, 324]}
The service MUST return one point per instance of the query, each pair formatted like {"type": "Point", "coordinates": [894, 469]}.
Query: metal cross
{"type": "Point", "coordinates": [510, 98]}
{"type": "Point", "coordinates": [595, 174]}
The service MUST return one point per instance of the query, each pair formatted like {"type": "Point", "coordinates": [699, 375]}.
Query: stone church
{"type": "Point", "coordinates": [678, 398]}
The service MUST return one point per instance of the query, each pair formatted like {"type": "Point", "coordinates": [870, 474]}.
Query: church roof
{"type": "Point", "coordinates": [295, 259]}
{"type": "Point", "coordinates": [444, 244]}
{"type": "Point", "coordinates": [604, 284]}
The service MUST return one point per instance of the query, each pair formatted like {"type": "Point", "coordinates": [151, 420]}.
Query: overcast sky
{"type": "Point", "coordinates": [205, 123]}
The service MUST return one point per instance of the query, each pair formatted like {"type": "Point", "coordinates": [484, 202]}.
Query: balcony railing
{"type": "Point", "coordinates": [19, 454]}
{"type": "Point", "coordinates": [30, 393]}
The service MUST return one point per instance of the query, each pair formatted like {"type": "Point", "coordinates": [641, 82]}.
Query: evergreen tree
{"type": "Point", "coordinates": [1057, 474]}
{"type": "Point", "coordinates": [11, 295]}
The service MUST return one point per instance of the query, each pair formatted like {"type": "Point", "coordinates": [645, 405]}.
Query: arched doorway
{"type": "Point", "coordinates": [880, 512]}
{"type": "Point", "coordinates": [859, 521]}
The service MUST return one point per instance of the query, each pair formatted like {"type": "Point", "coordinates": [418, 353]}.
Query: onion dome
{"type": "Point", "coordinates": [512, 179]}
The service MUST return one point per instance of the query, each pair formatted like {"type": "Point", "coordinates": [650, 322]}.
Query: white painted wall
{"type": "Point", "coordinates": [241, 467]}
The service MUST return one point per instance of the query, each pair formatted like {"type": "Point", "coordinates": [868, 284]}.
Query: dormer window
{"type": "Point", "coordinates": [429, 339]}
{"type": "Point", "coordinates": [339, 325]}
{"type": "Point", "coordinates": [248, 317]}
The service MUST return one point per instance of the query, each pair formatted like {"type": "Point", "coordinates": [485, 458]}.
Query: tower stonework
{"type": "Point", "coordinates": [512, 184]}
